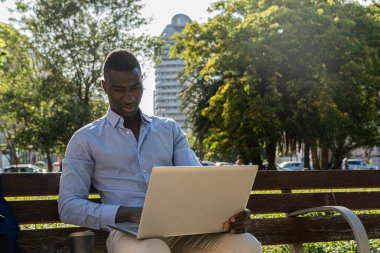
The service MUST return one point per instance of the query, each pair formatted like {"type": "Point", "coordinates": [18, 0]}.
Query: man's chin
{"type": "Point", "coordinates": [130, 113]}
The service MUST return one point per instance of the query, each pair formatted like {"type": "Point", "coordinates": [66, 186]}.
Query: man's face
{"type": "Point", "coordinates": [124, 90]}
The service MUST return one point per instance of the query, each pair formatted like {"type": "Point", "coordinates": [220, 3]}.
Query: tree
{"type": "Point", "coordinates": [215, 52]}
{"type": "Point", "coordinates": [36, 100]}
{"type": "Point", "coordinates": [288, 74]}
{"type": "Point", "coordinates": [75, 36]}
{"type": "Point", "coordinates": [15, 71]}
{"type": "Point", "coordinates": [71, 40]}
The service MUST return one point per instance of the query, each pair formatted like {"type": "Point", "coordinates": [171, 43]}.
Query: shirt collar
{"type": "Point", "coordinates": [145, 119]}
{"type": "Point", "coordinates": [113, 118]}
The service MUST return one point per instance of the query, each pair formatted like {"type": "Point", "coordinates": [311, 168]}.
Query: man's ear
{"type": "Point", "coordinates": [104, 85]}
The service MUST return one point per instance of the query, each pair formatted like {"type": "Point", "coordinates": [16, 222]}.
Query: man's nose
{"type": "Point", "coordinates": [128, 97]}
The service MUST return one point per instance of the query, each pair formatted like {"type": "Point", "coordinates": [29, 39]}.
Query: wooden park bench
{"type": "Point", "coordinates": [274, 192]}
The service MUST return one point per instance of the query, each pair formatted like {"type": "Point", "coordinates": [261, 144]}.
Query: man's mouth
{"type": "Point", "coordinates": [130, 108]}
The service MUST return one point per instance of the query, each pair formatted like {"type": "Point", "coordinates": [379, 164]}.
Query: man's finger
{"type": "Point", "coordinates": [241, 223]}
{"type": "Point", "coordinates": [226, 226]}
{"type": "Point", "coordinates": [237, 231]}
{"type": "Point", "coordinates": [241, 216]}
{"type": "Point", "coordinates": [244, 213]}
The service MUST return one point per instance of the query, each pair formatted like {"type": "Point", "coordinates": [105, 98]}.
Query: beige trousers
{"type": "Point", "coordinates": [119, 242]}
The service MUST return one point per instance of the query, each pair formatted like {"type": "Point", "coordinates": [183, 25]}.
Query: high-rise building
{"type": "Point", "coordinates": [166, 100]}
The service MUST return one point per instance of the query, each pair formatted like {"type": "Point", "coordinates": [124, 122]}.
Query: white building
{"type": "Point", "coordinates": [166, 100]}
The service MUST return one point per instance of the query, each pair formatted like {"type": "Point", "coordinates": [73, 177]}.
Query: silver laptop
{"type": "Point", "coordinates": [191, 200]}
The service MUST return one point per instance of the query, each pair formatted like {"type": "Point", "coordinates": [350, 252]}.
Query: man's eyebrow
{"type": "Point", "coordinates": [132, 85]}
{"type": "Point", "coordinates": [136, 84]}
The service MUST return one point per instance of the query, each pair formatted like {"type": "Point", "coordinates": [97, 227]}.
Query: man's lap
{"type": "Point", "coordinates": [217, 243]}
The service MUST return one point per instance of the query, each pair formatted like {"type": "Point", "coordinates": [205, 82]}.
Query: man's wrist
{"type": "Point", "coordinates": [128, 214]}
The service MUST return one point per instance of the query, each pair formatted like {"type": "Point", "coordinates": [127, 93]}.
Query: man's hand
{"type": "Point", "coordinates": [130, 214]}
{"type": "Point", "coordinates": [238, 223]}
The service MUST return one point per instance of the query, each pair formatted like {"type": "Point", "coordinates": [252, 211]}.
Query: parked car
{"type": "Point", "coordinates": [56, 166]}
{"type": "Point", "coordinates": [208, 163]}
{"type": "Point", "coordinates": [42, 165]}
{"type": "Point", "coordinates": [265, 165]}
{"type": "Point", "coordinates": [21, 168]}
{"type": "Point", "coordinates": [292, 165]}
{"type": "Point", "coordinates": [223, 163]}
{"type": "Point", "coordinates": [357, 164]}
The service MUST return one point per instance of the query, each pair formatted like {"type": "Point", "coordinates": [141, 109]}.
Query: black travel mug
{"type": "Point", "coordinates": [82, 242]}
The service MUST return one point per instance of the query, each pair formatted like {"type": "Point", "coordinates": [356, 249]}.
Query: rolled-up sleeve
{"type": "Point", "coordinates": [183, 155]}
{"type": "Point", "coordinates": [73, 205]}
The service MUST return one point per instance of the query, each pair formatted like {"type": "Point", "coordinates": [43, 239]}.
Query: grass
{"type": "Point", "coordinates": [324, 247]}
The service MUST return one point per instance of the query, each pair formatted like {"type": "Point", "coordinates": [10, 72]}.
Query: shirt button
{"type": "Point", "coordinates": [127, 132]}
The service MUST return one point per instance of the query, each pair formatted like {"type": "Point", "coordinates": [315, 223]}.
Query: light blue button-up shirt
{"type": "Point", "coordinates": [107, 155]}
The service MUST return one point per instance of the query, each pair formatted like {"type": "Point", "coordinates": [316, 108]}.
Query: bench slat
{"type": "Point", "coordinates": [288, 202]}
{"type": "Point", "coordinates": [29, 184]}
{"type": "Point", "coordinates": [46, 211]}
{"type": "Point", "coordinates": [323, 179]}
{"type": "Point", "coordinates": [18, 184]}
{"type": "Point", "coordinates": [37, 211]}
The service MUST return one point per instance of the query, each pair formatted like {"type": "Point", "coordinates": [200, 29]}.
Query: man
{"type": "Point", "coordinates": [116, 154]}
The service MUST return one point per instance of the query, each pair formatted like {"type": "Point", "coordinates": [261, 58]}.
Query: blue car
{"type": "Point", "coordinates": [21, 168]}
{"type": "Point", "coordinates": [357, 164]}
{"type": "Point", "coordinates": [292, 165]}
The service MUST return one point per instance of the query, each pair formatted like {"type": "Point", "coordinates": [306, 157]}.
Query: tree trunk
{"type": "Point", "coordinates": [271, 155]}
{"type": "Point", "coordinates": [50, 165]}
{"type": "Point", "coordinates": [306, 160]}
{"type": "Point", "coordinates": [338, 158]}
{"type": "Point", "coordinates": [314, 155]}
{"type": "Point", "coordinates": [13, 155]}
{"type": "Point", "coordinates": [338, 162]}
{"type": "Point", "coordinates": [13, 159]}
{"type": "Point", "coordinates": [256, 159]}
{"type": "Point", "coordinates": [325, 158]}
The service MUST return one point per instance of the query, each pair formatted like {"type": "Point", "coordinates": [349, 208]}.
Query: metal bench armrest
{"type": "Point", "coordinates": [354, 221]}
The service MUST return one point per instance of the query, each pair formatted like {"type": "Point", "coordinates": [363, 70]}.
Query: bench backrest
{"type": "Point", "coordinates": [359, 190]}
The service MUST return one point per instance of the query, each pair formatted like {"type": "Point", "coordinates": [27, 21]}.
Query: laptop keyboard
{"type": "Point", "coordinates": [134, 229]}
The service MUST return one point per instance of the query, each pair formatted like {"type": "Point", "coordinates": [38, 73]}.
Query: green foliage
{"type": "Point", "coordinates": [75, 36]}
{"type": "Point", "coordinates": [3, 53]}
{"type": "Point", "coordinates": [51, 82]}
{"type": "Point", "coordinates": [17, 82]}
{"type": "Point", "coordinates": [276, 249]}
{"type": "Point", "coordinates": [284, 72]}
{"type": "Point", "coordinates": [36, 105]}
{"type": "Point", "coordinates": [324, 247]}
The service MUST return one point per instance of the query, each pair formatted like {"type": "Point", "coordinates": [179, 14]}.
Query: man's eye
{"type": "Point", "coordinates": [118, 88]}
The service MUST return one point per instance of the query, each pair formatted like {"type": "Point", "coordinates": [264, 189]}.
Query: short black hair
{"type": "Point", "coordinates": [120, 60]}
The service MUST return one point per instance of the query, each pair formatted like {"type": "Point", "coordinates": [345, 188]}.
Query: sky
{"type": "Point", "coordinates": [161, 12]}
